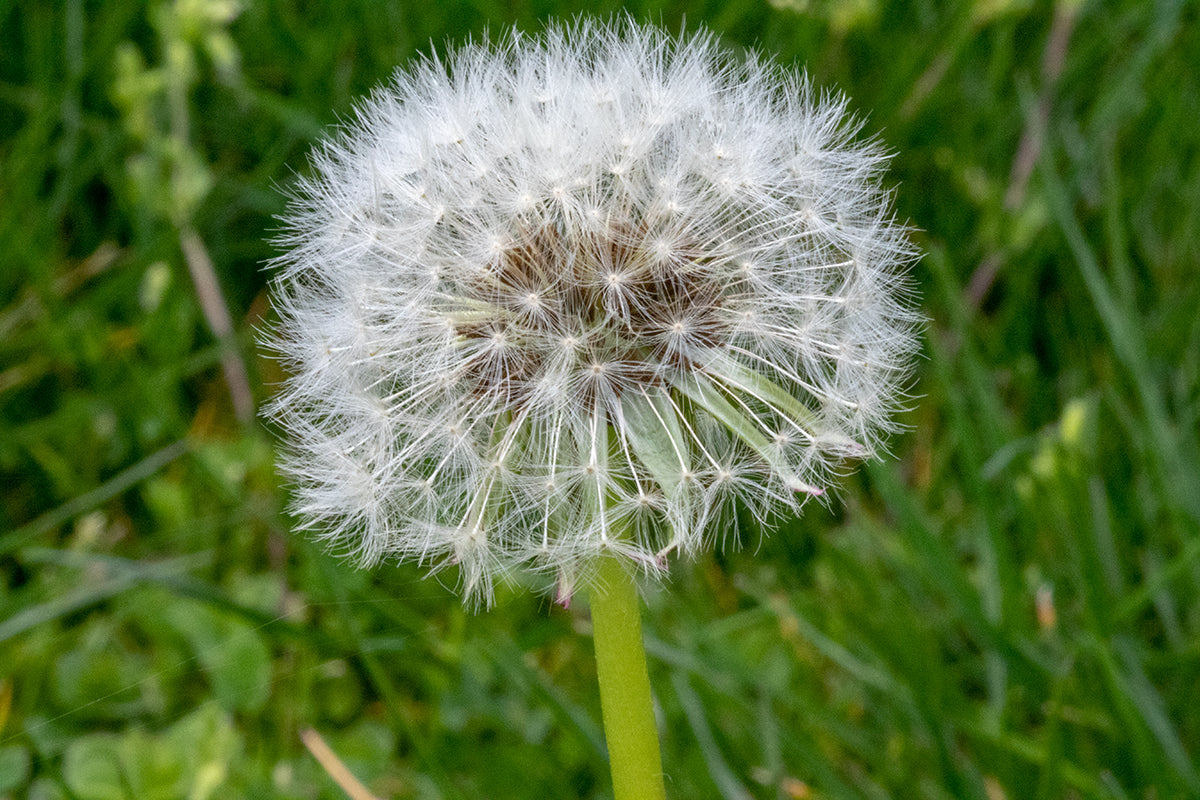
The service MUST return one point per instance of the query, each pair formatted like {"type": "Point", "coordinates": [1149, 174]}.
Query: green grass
{"type": "Point", "coordinates": [1009, 607]}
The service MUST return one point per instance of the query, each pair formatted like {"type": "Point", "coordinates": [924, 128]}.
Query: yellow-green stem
{"type": "Point", "coordinates": [625, 700]}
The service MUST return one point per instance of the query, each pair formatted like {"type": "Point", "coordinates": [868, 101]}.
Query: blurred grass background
{"type": "Point", "coordinates": [1008, 608]}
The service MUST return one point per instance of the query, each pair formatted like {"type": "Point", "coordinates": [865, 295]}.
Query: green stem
{"type": "Point", "coordinates": [625, 699]}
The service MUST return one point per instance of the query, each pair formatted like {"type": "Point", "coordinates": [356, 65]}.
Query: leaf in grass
{"type": "Point", "coordinates": [14, 767]}
{"type": "Point", "coordinates": [92, 768]}
{"type": "Point", "coordinates": [208, 742]}
{"type": "Point", "coordinates": [232, 654]}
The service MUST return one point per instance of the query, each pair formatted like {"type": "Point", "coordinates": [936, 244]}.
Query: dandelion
{"type": "Point", "coordinates": [561, 297]}
{"type": "Point", "coordinates": [565, 300]}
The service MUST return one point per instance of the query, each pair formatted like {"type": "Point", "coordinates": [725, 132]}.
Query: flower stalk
{"type": "Point", "coordinates": [625, 699]}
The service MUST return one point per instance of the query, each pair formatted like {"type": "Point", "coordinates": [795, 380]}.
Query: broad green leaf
{"type": "Point", "coordinates": [155, 768]}
{"type": "Point", "coordinates": [92, 768]}
{"type": "Point", "coordinates": [232, 654]}
{"type": "Point", "coordinates": [209, 743]}
{"type": "Point", "coordinates": [14, 767]}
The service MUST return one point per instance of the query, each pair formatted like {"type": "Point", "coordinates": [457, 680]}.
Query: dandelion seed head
{"type": "Point", "coordinates": [584, 293]}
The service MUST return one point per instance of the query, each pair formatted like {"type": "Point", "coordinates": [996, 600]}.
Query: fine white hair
{"type": "Point", "coordinates": [579, 294]}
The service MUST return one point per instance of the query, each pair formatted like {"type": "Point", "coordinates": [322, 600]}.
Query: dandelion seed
{"type": "Point", "coordinates": [568, 296]}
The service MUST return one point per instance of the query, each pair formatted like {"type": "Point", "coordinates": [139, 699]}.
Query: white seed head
{"type": "Point", "coordinates": [583, 293]}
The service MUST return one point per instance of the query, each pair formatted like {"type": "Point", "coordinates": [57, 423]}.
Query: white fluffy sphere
{"type": "Point", "coordinates": [579, 294]}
